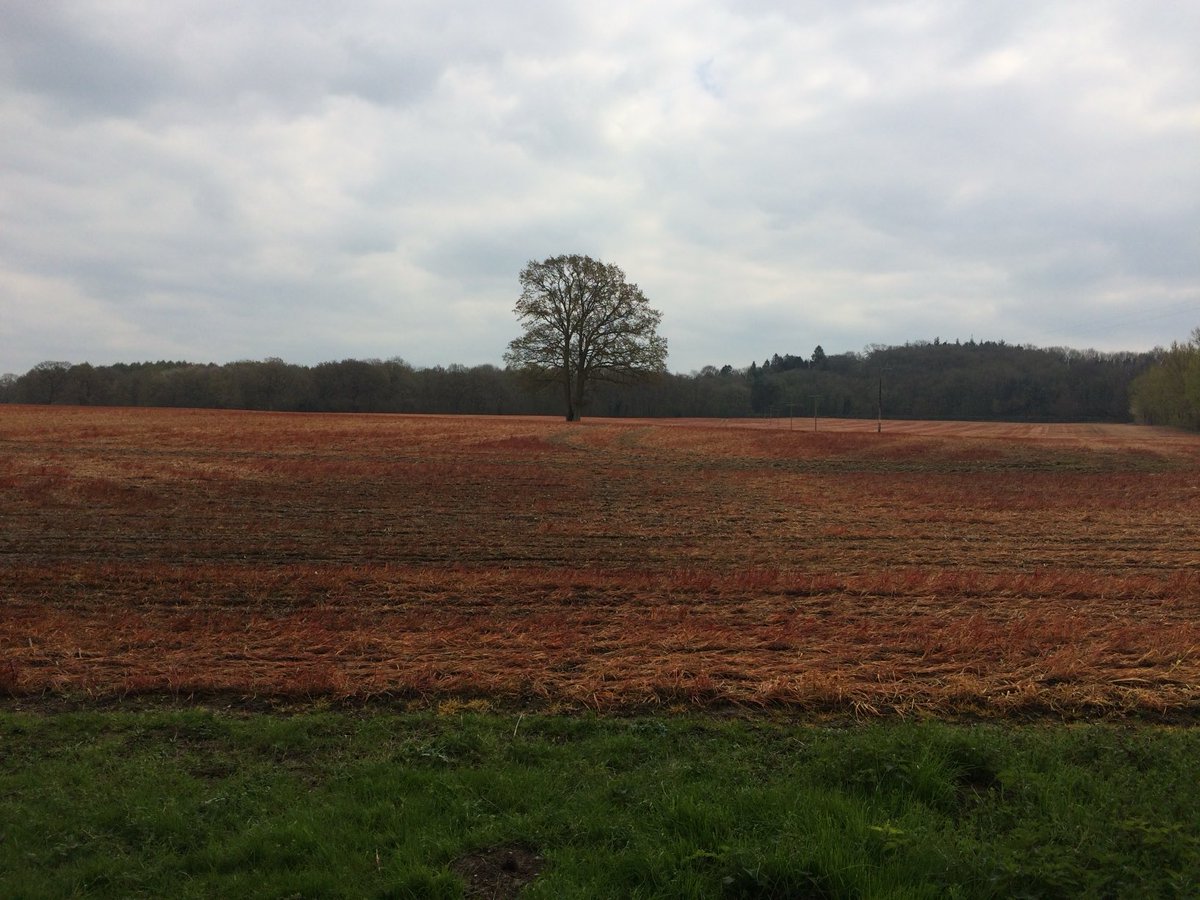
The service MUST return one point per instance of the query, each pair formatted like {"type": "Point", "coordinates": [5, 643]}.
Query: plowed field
{"type": "Point", "coordinates": [933, 567]}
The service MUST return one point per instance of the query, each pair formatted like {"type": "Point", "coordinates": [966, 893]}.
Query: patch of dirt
{"type": "Point", "coordinates": [498, 873]}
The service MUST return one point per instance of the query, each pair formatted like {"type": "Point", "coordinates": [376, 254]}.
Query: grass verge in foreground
{"type": "Point", "coordinates": [199, 802]}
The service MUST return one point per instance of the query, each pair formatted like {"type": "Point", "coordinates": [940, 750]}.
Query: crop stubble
{"type": "Point", "coordinates": [933, 568]}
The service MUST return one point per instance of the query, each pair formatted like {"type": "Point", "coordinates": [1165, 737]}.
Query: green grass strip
{"type": "Point", "coordinates": [203, 803]}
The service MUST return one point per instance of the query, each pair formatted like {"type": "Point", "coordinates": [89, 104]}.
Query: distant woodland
{"type": "Point", "coordinates": [1168, 393]}
{"type": "Point", "coordinates": [920, 380]}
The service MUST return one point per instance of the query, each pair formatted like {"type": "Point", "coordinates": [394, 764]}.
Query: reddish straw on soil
{"type": "Point", "coordinates": [933, 568]}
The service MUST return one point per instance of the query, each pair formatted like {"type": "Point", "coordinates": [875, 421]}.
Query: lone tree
{"type": "Point", "coordinates": [584, 322]}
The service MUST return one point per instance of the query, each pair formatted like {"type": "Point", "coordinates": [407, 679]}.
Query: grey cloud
{"type": "Point", "coordinates": [52, 52]}
{"type": "Point", "coordinates": [294, 179]}
{"type": "Point", "coordinates": [367, 240]}
{"type": "Point", "coordinates": [494, 251]}
{"type": "Point", "coordinates": [387, 76]}
{"type": "Point", "coordinates": [489, 254]}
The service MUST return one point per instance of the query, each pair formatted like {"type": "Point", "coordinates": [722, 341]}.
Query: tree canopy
{"type": "Point", "coordinates": [920, 380]}
{"type": "Point", "coordinates": [1169, 392]}
{"type": "Point", "coordinates": [583, 322]}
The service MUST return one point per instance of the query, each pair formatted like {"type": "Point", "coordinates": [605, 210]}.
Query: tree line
{"type": "Point", "coordinates": [1168, 393]}
{"type": "Point", "coordinates": [919, 380]}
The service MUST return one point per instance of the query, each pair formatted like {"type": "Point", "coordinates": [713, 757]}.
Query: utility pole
{"type": "Point", "coordinates": [815, 399]}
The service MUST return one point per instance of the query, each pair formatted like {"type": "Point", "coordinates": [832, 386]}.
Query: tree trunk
{"type": "Point", "coordinates": [572, 410]}
{"type": "Point", "coordinates": [576, 404]}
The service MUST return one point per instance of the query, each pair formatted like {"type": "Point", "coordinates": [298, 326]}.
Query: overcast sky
{"type": "Point", "coordinates": [215, 181]}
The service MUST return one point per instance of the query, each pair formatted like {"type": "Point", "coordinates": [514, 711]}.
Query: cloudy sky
{"type": "Point", "coordinates": [215, 180]}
